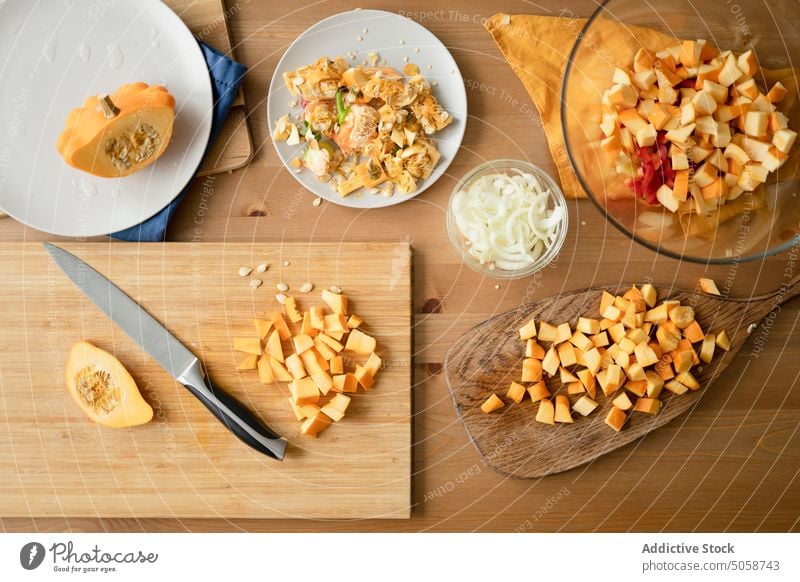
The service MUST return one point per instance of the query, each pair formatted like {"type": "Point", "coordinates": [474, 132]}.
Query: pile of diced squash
{"type": "Point", "coordinates": [309, 354]}
{"type": "Point", "coordinates": [634, 352]}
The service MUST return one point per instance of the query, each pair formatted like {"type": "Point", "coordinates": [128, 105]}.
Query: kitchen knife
{"type": "Point", "coordinates": [169, 352]}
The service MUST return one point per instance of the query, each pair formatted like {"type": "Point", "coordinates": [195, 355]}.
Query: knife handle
{"type": "Point", "coordinates": [233, 414]}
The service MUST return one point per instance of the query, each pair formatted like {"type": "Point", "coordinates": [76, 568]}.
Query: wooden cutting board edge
{"type": "Point", "coordinates": [784, 293]}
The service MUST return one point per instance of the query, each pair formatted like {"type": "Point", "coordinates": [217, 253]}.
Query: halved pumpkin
{"type": "Point", "coordinates": [117, 135]}
{"type": "Point", "coordinates": [103, 388]}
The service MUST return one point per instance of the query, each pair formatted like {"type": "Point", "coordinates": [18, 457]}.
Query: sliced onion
{"type": "Point", "coordinates": [506, 220]}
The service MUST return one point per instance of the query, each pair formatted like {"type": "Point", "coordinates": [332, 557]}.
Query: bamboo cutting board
{"type": "Point", "coordinates": [55, 462]}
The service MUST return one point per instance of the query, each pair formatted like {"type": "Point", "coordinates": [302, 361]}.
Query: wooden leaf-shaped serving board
{"type": "Point", "coordinates": [489, 357]}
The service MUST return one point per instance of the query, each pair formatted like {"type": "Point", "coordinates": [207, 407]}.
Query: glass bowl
{"type": "Point", "coordinates": [609, 40]}
{"type": "Point", "coordinates": [555, 200]}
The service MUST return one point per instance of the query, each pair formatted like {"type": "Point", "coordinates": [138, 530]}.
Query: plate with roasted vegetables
{"type": "Point", "coordinates": [367, 109]}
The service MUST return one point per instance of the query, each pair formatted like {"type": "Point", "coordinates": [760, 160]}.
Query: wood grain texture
{"type": "Point", "coordinates": [55, 462]}
{"type": "Point", "coordinates": [730, 465]}
{"type": "Point", "coordinates": [489, 357]}
{"type": "Point", "coordinates": [233, 146]}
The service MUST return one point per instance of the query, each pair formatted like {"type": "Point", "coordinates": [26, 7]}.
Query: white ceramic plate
{"type": "Point", "coordinates": [53, 55]}
{"type": "Point", "coordinates": [392, 37]}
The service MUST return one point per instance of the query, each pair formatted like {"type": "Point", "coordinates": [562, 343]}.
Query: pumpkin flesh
{"type": "Point", "coordinates": [112, 145]}
{"type": "Point", "coordinates": [104, 389]}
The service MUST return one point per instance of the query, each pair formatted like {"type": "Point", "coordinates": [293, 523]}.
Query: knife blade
{"type": "Point", "coordinates": [169, 352]}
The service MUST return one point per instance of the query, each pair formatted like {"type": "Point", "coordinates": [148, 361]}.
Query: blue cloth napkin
{"type": "Point", "coordinates": [226, 75]}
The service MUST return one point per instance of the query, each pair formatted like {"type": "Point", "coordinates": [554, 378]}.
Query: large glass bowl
{"type": "Point", "coordinates": [608, 40]}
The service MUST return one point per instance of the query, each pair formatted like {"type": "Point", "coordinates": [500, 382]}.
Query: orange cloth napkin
{"type": "Point", "coordinates": [537, 48]}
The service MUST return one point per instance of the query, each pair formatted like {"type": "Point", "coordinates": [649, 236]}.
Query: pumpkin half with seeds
{"type": "Point", "coordinates": [103, 388]}
{"type": "Point", "coordinates": [115, 135]}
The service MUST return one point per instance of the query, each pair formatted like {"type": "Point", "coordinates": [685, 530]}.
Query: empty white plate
{"type": "Point", "coordinates": [392, 37]}
{"type": "Point", "coordinates": [54, 54]}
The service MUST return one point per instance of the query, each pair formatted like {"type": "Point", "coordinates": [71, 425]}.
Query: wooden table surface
{"type": "Point", "coordinates": [732, 464]}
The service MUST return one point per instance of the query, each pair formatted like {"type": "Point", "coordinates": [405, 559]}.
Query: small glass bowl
{"type": "Point", "coordinates": [510, 168]}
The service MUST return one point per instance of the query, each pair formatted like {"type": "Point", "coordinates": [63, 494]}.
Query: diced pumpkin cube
{"type": "Point", "coordinates": [709, 286]}
{"type": "Point", "coordinates": [274, 348]}
{"type": "Point", "coordinates": [280, 325]}
{"type": "Point", "coordinates": [316, 424]}
{"type": "Point", "coordinates": [566, 354]}
{"type": "Point", "coordinates": [693, 332]}
{"type": "Point", "coordinates": [654, 384]}
{"type": "Point", "coordinates": [516, 392]}
{"type": "Point", "coordinates": [290, 306]}
{"type": "Point", "coordinates": [599, 340]}
{"type": "Point", "coordinates": [306, 327]}
{"type": "Point", "coordinates": [302, 343]}
{"type": "Point", "coordinates": [247, 345]}
{"type": "Point", "coordinates": [580, 341]}
{"type": "Point", "coordinates": [562, 413]}
{"type": "Point", "coordinates": [324, 349]}
{"type": "Point", "coordinates": [534, 350]}
{"type": "Point", "coordinates": [373, 364]}
{"type": "Point", "coordinates": [345, 383]}
{"type": "Point", "coordinates": [566, 376]}
{"type": "Point", "coordinates": [675, 387]}
{"type": "Point", "coordinates": [317, 318]}
{"type": "Point", "coordinates": [336, 323]}
{"type": "Point", "coordinates": [360, 342]}
{"type": "Point", "coordinates": [722, 340]}
{"type": "Point", "coordinates": [340, 402]}
{"type": "Point", "coordinates": [265, 373]}
{"type": "Point", "coordinates": [333, 413]}
{"type": "Point", "coordinates": [638, 387]}
{"type": "Point", "coordinates": [588, 326]}
{"type": "Point", "coordinates": [546, 413]}
{"type": "Point", "coordinates": [364, 377]}
{"type": "Point", "coordinates": [584, 406]}
{"type": "Point", "coordinates": [638, 336]}
{"type": "Point", "coordinates": [622, 401]}
{"type": "Point", "coordinates": [707, 348]}
{"type": "Point", "coordinates": [657, 315]}
{"type": "Point", "coordinates": [303, 391]}
{"type": "Point", "coordinates": [635, 372]}
{"type": "Point", "coordinates": [279, 370]}
{"type": "Point", "coordinates": [538, 392]}
{"type": "Point", "coordinates": [688, 380]}
{"type": "Point", "coordinates": [617, 332]}
{"type": "Point", "coordinates": [616, 418]}
{"type": "Point", "coordinates": [336, 365]}
{"type": "Point", "coordinates": [262, 327]}
{"type": "Point", "coordinates": [666, 339]}
{"type": "Point", "coordinates": [550, 363]}
{"type": "Point", "coordinates": [250, 362]}
{"type": "Point", "coordinates": [313, 361]}
{"type": "Point", "coordinates": [295, 366]}
{"type": "Point", "coordinates": [588, 380]}
{"type": "Point", "coordinates": [528, 330]}
{"type": "Point", "coordinates": [593, 360]}
{"type": "Point", "coordinates": [664, 368]}
{"type": "Point", "coordinates": [563, 332]}
{"type": "Point", "coordinates": [575, 388]}
{"type": "Point", "coordinates": [336, 301]}
{"type": "Point", "coordinates": [354, 321]}
{"type": "Point", "coordinates": [648, 405]}
{"type": "Point", "coordinates": [323, 381]}
{"type": "Point", "coordinates": [649, 294]}
{"type": "Point", "coordinates": [333, 344]}
{"type": "Point", "coordinates": [645, 355]}
{"type": "Point", "coordinates": [531, 370]}
{"type": "Point", "coordinates": [547, 332]}
{"type": "Point", "coordinates": [606, 299]}
{"type": "Point", "coordinates": [491, 404]}
{"type": "Point", "coordinates": [298, 413]}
